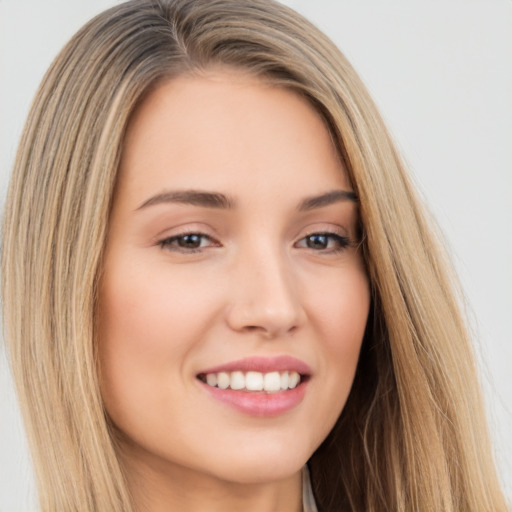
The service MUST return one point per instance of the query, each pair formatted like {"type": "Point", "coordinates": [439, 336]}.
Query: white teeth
{"type": "Point", "coordinates": [211, 379]}
{"type": "Point", "coordinates": [272, 381]}
{"type": "Point", "coordinates": [285, 379]}
{"type": "Point", "coordinates": [294, 379]}
{"type": "Point", "coordinates": [237, 380]}
{"type": "Point", "coordinates": [223, 380]}
{"type": "Point", "coordinates": [254, 381]}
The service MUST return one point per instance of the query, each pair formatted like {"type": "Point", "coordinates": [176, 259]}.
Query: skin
{"type": "Point", "coordinates": [257, 285]}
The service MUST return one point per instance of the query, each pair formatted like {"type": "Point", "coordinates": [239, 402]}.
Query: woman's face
{"type": "Point", "coordinates": [233, 298]}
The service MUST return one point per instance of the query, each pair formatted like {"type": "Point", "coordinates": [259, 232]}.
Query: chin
{"type": "Point", "coordinates": [255, 466]}
{"type": "Point", "coordinates": [258, 473]}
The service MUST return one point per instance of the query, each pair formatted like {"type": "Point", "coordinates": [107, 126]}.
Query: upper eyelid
{"type": "Point", "coordinates": [185, 233]}
{"type": "Point", "coordinates": [176, 232]}
{"type": "Point", "coordinates": [325, 230]}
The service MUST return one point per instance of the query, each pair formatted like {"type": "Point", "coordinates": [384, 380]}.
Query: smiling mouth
{"type": "Point", "coordinates": [252, 381]}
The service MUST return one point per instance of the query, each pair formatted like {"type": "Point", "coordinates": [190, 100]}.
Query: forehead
{"type": "Point", "coordinates": [213, 128]}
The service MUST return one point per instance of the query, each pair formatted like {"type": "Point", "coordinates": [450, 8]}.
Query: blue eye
{"type": "Point", "coordinates": [329, 242]}
{"type": "Point", "coordinates": [187, 242]}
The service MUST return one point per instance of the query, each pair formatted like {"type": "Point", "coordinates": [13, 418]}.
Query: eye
{"type": "Point", "coordinates": [327, 242]}
{"type": "Point", "coordinates": [188, 242]}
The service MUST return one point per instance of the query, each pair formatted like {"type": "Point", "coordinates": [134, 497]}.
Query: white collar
{"type": "Point", "coordinates": [308, 500]}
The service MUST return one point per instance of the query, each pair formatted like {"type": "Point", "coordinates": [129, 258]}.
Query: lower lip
{"type": "Point", "coordinates": [259, 403]}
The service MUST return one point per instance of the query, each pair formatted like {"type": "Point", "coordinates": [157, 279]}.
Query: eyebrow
{"type": "Point", "coordinates": [193, 197]}
{"type": "Point", "coordinates": [334, 196]}
{"type": "Point", "coordinates": [221, 201]}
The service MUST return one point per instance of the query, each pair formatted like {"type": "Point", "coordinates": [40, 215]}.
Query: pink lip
{"type": "Point", "coordinates": [263, 365]}
{"type": "Point", "coordinates": [261, 403]}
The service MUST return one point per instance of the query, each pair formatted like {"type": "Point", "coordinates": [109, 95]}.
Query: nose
{"type": "Point", "coordinates": [264, 296]}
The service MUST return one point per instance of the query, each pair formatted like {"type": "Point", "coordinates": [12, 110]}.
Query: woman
{"type": "Point", "coordinates": [220, 99]}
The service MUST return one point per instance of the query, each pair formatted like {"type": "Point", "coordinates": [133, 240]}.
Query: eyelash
{"type": "Point", "coordinates": [172, 243]}
{"type": "Point", "coordinates": [342, 242]}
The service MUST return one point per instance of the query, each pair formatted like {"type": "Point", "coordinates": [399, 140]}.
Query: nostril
{"type": "Point", "coordinates": [269, 332]}
{"type": "Point", "coordinates": [270, 316]}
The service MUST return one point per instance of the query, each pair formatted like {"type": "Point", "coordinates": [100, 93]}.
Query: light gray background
{"type": "Point", "coordinates": [441, 72]}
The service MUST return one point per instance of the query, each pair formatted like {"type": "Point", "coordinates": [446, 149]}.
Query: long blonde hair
{"type": "Point", "coordinates": [412, 435]}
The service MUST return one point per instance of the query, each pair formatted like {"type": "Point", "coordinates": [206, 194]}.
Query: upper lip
{"type": "Point", "coordinates": [263, 365]}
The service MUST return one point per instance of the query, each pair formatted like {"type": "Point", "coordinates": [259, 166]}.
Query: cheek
{"type": "Point", "coordinates": [146, 310]}
{"type": "Point", "coordinates": [341, 311]}
{"type": "Point", "coordinates": [148, 323]}
{"type": "Point", "coordinates": [132, 326]}
{"type": "Point", "coordinates": [340, 318]}
{"type": "Point", "coordinates": [129, 352]}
